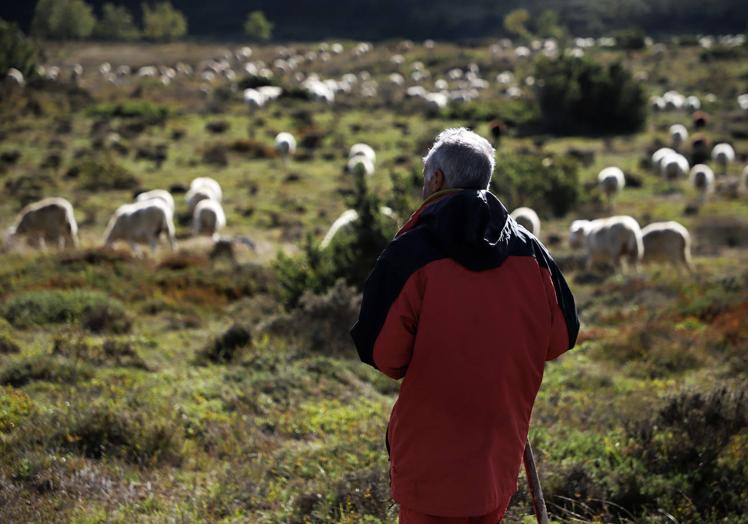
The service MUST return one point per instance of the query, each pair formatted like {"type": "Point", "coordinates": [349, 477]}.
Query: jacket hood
{"type": "Point", "coordinates": [472, 227]}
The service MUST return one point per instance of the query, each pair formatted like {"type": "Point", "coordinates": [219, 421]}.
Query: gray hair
{"type": "Point", "coordinates": [465, 158]}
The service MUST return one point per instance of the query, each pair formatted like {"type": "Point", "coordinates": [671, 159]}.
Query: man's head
{"type": "Point", "coordinates": [458, 159]}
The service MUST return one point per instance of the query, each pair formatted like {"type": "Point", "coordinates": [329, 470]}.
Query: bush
{"type": "Point", "coordinates": [15, 405]}
{"type": "Point", "coordinates": [163, 23]}
{"type": "Point", "coordinates": [34, 308]}
{"type": "Point", "coordinates": [227, 347]}
{"type": "Point", "coordinates": [548, 185]}
{"type": "Point", "coordinates": [630, 39]}
{"type": "Point", "coordinates": [258, 27]}
{"type": "Point", "coordinates": [8, 342]}
{"type": "Point", "coordinates": [148, 112]}
{"type": "Point", "coordinates": [16, 50]}
{"type": "Point", "coordinates": [116, 23]}
{"type": "Point", "coordinates": [44, 367]}
{"type": "Point", "coordinates": [109, 352]}
{"type": "Point", "coordinates": [103, 172]}
{"type": "Point", "coordinates": [578, 95]}
{"type": "Point", "coordinates": [63, 20]}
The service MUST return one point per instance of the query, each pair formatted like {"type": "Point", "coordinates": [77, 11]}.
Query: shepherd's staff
{"type": "Point", "coordinates": [538, 502]}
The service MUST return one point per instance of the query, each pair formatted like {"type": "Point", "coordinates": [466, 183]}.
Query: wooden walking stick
{"type": "Point", "coordinates": [538, 502]}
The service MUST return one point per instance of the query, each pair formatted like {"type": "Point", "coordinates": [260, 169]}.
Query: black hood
{"type": "Point", "coordinates": [471, 227]}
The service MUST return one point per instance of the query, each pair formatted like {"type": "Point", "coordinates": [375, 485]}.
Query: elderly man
{"type": "Point", "coordinates": [466, 306]}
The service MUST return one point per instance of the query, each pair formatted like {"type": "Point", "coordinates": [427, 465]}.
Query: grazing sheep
{"type": "Point", "coordinates": [702, 179]}
{"type": "Point", "coordinates": [360, 165]}
{"type": "Point", "coordinates": [208, 219]}
{"type": "Point", "coordinates": [363, 150]}
{"type": "Point", "coordinates": [15, 76]}
{"type": "Point", "coordinates": [285, 143]}
{"type": "Point", "coordinates": [678, 135]}
{"type": "Point", "coordinates": [141, 223]}
{"type": "Point", "coordinates": [674, 166]}
{"type": "Point", "coordinates": [609, 240]}
{"type": "Point", "coordinates": [658, 156]}
{"type": "Point", "coordinates": [528, 219]}
{"type": "Point", "coordinates": [346, 219]}
{"type": "Point", "coordinates": [203, 188]}
{"type": "Point", "coordinates": [612, 181]}
{"type": "Point", "coordinates": [723, 154]}
{"type": "Point", "coordinates": [158, 194]}
{"type": "Point", "coordinates": [48, 220]}
{"type": "Point", "coordinates": [667, 242]}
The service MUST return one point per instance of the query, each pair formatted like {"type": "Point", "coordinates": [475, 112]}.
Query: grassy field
{"type": "Point", "coordinates": [177, 388]}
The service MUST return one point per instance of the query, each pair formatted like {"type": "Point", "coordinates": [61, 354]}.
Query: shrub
{"type": "Point", "coordinates": [16, 50]}
{"type": "Point", "coordinates": [43, 367]}
{"type": "Point", "coordinates": [15, 405]}
{"type": "Point", "coordinates": [116, 23]}
{"type": "Point", "coordinates": [258, 27]}
{"type": "Point", "coordinates": [101, 171]}
{"type": "Point", "coordinates": [148, 112]}
{"type": "Point", "coordinates": [227, 347]}
{"type": "Point", "coordinates": [55, 306]}
{"type": "Point", "coordinates": [63, 19]}
{"type": "Point", "coordinates": [548, 185]}
{"type": "Point", "coordinates": [163, 23]}
{"type": "Point", "coordinates": [8, 342]}
{"type": "Point", "coordinates": [578, 95]}
{"type": "Point", "coordinates": [110, 351]}
{"type": "Point", "coordinates": [630, 39]}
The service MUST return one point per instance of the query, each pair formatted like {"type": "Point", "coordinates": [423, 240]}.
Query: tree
{"type": "Point", "coordinates": [515, 21]}
{"type": "Point", "coordinates": [258, 27]}
{"type": "Point", "coordinates": [63, 19]}
{"type": "Point", "coordinates": [16, 50]}
{"type": "Point", "coordinates": [116, 23]}
{"type": "Point", "coordinates": [163, 23]}
{"type": "Point", "coordinates": [548, 26]}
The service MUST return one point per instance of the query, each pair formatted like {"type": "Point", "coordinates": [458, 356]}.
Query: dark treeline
{"type": "Point", "coordinates": [438, 19]}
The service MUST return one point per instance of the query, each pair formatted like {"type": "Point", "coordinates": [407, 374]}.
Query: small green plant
{"type": "Point", "coordinates": [15, 405]}
{"type": "Point", "coordinates": [258, 27]}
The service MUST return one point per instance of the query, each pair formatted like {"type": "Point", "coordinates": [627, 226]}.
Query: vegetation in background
{"type": "Point", "coordinates": [116, 23]}
{"type": "Point", "coordinates": [16, 50]}
{"type": "Point", "coordinates": [258, 27]}
{"type": "Point", "coordinates": [515, 22]}
{"type": "Point", "coordinates": [163, 23]}
{"type": "Point", "coordinates": [578, 95]}
{"type": "Point", "coordinates": [63, 20]}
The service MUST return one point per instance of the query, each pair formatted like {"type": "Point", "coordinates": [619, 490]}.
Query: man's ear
{"type": "Point", "coordinates": [439, 182]}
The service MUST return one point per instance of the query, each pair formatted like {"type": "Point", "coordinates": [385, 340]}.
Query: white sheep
{"type": "Point", "coordinates": [285, 143]}
{"type": "Point", "coordinates": [208, 218]}
{"type": "Point", "coordinates": [658, 156]}
{"type": "Point", "coordinates": [203, 188]}
{"type": "Point", "coordinates": [141, 223]}
{"type": "Point", "coordinates": [674, 166]}
{"type": "Point", "coordinates": [346, 219]}
{"type": "Point", "coordinates": [678, 135]}
{"type": "Point", "coordinates": [15, 76]}
{"type": "Point", "coordinates": [363, 150]}
{"type": "Point", "coordinates": [702, 179]}
{"type": "Point", "coordinates": [609, 240]}
{"type": "Point", "coordinates": [667, 242]}
{"type": "Point", "coordinates": [528, 219]}
{"type": "Point", "coordinates": [612, 181]}
{"type": "Point", "coordinates": [158, 194]}
{"type": "Point", "coordinates": [48, 220]}
{"type": "Point", "coordinates": [360, 165]}
{"type": "Point", "coordinates": [723, 154]}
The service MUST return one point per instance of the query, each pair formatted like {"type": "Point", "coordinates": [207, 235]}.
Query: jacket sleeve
{"type": "Point", "coordinates": [393, 347]}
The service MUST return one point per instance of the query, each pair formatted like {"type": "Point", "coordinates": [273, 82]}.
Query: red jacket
{"type": "Point", "coordinates": [467, 306]}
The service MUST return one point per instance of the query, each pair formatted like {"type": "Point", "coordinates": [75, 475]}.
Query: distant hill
{"type": "Point", "coordinates": [439, 19]}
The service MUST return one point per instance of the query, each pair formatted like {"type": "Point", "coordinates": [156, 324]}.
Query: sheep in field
{"type": "Point", "coordinates": [346, 219]}
{"type": "Point", "coordinates": [50, 220]}
{"type": "Point", "coordinates": [203, 188]}
{"type": "Point", "coordinates": [674, 166]}
{"type": "Point", "coordinates": [667, 242]}
{"type": "Point", "coordinates": [612, 181]}
{"type": "Point", "coordinates": [609, 240]}
{"type": "Point", "coordinates": [528, 219]}
{"type": "Point", "coordinates": [285, 143]}
{"type": "Point", "coordinates": [158, 194]}
{"type": "Point", "coordinates": [360, 165]}
{"type": "Point", "coordinates": [723, 154]}
{"type": "Point", "coordinates": [141, 223]}
{"type": "Point", "coordinates": [363, 150]}
{"type": "Point", "coordinates": [678, 135]}
{"type": "Point", "coordinates": [208, 219]}
{"type": "Point", "coordinates": [658, 156]}
{"type": "Point", "coordinates": [702, 179]}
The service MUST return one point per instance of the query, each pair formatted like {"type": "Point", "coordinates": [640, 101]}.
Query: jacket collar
{"type": "Point", "coordinates": [413, 220]}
